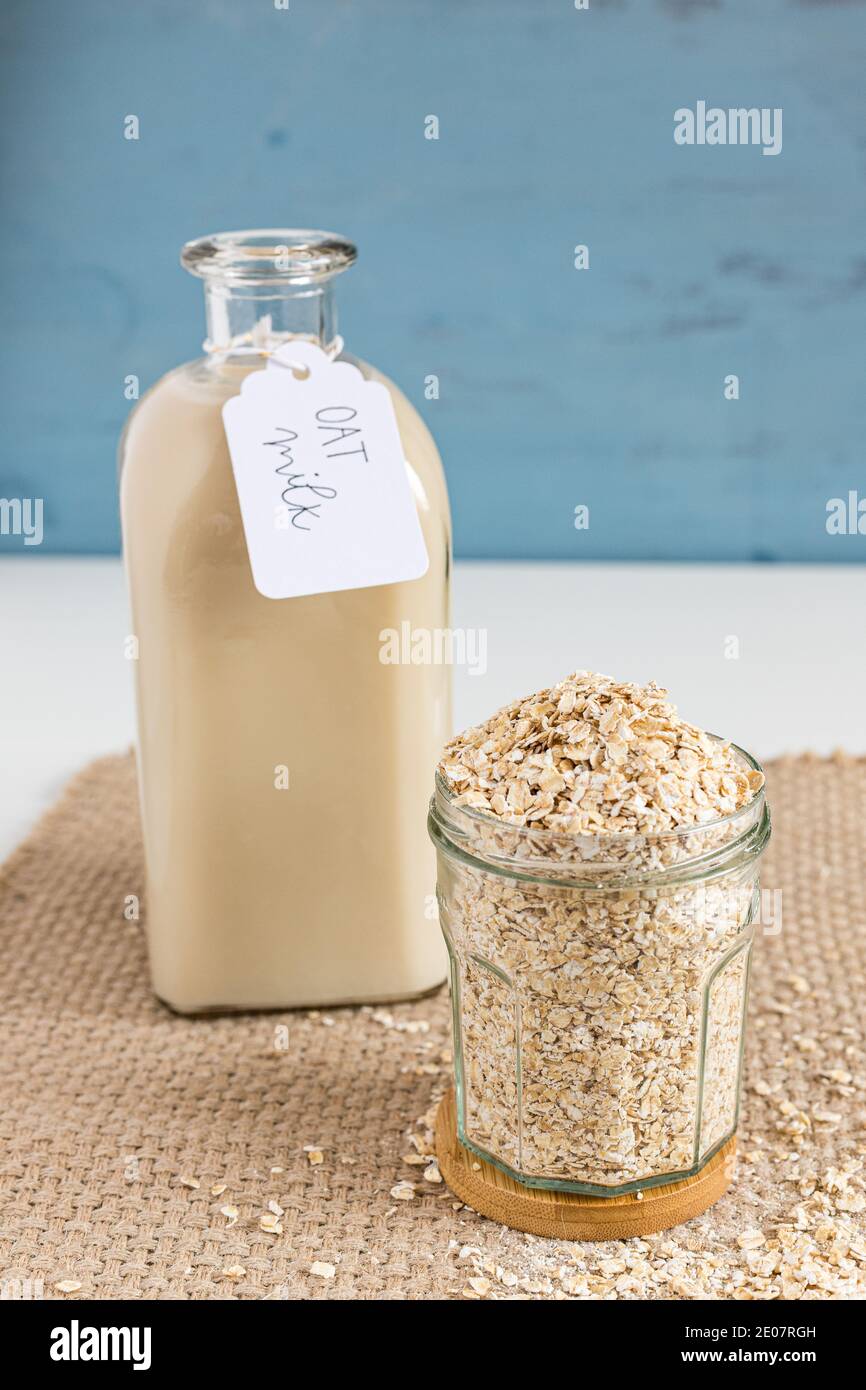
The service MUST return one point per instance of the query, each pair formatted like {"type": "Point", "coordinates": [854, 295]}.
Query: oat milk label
{"type": "Point", "coordinates": [321, 476]}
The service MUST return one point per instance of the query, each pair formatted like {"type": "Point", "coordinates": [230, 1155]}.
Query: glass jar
{"type": "Point", "coordinates": [599, 988]}
{"type": "Point", "coordinates": [265, 725]}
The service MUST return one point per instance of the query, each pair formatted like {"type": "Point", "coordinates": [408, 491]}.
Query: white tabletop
{"type": "Point", "coordinates": [798, 683]}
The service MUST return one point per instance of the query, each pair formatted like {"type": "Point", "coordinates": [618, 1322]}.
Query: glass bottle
{"type": "Point", "coordinates": [283, 765]}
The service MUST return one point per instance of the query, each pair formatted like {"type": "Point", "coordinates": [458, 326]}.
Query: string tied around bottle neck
{"type": "Point", "coordinates": [254, 343]}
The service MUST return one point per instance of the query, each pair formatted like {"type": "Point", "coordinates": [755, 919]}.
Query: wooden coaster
{"type": "Point", "coordinates": [571, 1215]}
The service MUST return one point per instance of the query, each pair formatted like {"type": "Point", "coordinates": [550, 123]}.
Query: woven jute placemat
{"type": "Point", "coordinates": [141, 1150]}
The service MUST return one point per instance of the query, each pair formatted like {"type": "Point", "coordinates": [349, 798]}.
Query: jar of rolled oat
{"type": "Point", "coordinates": [598, 884]}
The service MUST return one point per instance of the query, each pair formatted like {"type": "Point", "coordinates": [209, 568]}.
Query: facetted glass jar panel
{"type": "Point", "coordinates": [726, 1007]}
{"type": "Point", "coordinates": [491, 1062]}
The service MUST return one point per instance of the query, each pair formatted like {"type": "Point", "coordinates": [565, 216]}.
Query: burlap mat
{"type": "Point", "coordinates": [118, 1118]}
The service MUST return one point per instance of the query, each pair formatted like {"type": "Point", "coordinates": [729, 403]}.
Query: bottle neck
{"type": "Point", "coordinates": [264, 316]}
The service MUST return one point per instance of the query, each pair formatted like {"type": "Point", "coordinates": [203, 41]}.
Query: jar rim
{"type": "Point", "coordinates": [605, 858]}
{"type": "Point", "coordinates": [287, 255]}
{"type": "Point", "coordinates": [621, 836]}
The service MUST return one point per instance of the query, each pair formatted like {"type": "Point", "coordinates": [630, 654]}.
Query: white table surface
{"type": "Point", "coordinates": [799, 682]}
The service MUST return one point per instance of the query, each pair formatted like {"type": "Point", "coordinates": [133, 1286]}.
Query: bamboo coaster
{"type": "Point", "coordinates": [571, 1215]}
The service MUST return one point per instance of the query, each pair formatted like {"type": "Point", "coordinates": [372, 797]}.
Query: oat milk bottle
{"type": "Point", "coordinates": [284, 758]}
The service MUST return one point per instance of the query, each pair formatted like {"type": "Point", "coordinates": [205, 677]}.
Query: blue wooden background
{"type": "Point", "coordinates": [558, 387]}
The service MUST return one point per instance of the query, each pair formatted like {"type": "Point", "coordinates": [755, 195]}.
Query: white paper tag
{"type": "Point", "coordinates": [324, 493]}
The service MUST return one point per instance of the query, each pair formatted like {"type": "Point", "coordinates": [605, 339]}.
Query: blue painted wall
{"type": "Point", "coordinates": [558, 386]}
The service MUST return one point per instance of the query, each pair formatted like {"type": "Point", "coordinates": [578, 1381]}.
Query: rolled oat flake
{"type": "Point", "coordinates": [597, 881]}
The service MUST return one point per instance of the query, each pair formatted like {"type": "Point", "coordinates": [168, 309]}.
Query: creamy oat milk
{"type": "Point", "coordinates": [262, 894]}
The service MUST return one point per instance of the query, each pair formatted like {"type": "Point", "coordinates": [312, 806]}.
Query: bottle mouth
{"type": "Point", "coordinates": [273, 255]}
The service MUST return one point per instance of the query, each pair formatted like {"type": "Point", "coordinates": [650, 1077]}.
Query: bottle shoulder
{"type": "Point", "coordinates": [200, 388]}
